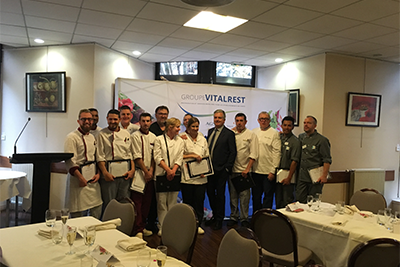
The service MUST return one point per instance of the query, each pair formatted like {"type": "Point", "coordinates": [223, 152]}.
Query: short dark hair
{"type": "Point", "coordinates": [125, 107]}
{"type": "Point", "coordinates": [83, 111]}
{"type": "Point", "coordinates": [113, 111]}
{"type": "Point", "coordinates": [312, 117]}
{"type": "Point", "coordinates": [288, 118]}
{"type": "Point", "coordinates": [241, 115]}
{"type": "Point", "coordinates": [188, 114]}
{"type": "Point", "coordinates": [144, 114]}
{"type": "Point", "coordinates": [193, 120]}
{"type": "Point", "coordinates": [162, 107]}
{"type": "Point", "coordinates": [93, 109]}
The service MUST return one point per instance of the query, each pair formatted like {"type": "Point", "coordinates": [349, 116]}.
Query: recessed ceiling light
{"type": "Point", "coordinates": [136, 53]}
{"type": "Point", "coordinates": [207, 3]}
{"type": "Point", "coordinates": [278, 60]}
{"type": "Point", "coordinates": [210, 21]}
{"type": "Point", "coordinates": [39, 41]}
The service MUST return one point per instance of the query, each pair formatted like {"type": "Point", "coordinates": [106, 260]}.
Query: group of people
{"type": "Point", "coordinates": [106, 162]}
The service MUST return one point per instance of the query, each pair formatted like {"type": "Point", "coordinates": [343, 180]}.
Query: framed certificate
{"type": "Point", "coordinates": [119, 167]}
{"type": "Point", "coordinates": [196, 169]}
{"type": "Point", "coordinates": [88, 170]}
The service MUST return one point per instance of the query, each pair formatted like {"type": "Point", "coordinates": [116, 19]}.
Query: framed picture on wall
{"type": "Point", "coordinates": [45, 92]}
{"type": "Point", "coordinates": [294, 105]}
{"type": "Point", "coordinates": [363, 110]}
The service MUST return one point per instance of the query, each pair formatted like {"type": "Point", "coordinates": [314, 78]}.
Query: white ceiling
{"type": "Point", "coordinates": [289, 29]}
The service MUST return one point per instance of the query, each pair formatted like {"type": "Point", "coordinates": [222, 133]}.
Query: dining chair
{"type": "Point", "coordinates": [238, 248]}
{"type": "Point", "coordinates": [179, 230]}
{"type": "Point", "coordinates": [376, 252]}
{"type": "Point", "coordinates": [278, 239]}
{"type": "Point", "coordinates": [368, 199]}
{"type": "Point", "coordinates": [123, 209]}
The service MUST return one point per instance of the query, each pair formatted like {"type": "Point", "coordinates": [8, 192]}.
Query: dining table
{"type": "Point", "coordinates": [331, 236]}
{"type": "Point", "coordinates": [23, 246]}
{"type": "Point", "coordinates": [14, 184]}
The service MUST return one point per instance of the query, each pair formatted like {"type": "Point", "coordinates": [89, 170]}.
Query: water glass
{"type": "Point", "coordinates": [380, 217]}
{"type": "Point", "coordinates": [143, 258]}
{"type": "Point", "coordinates": [50, 217]}
{"type": "Point", "coordinates": [310, 200]}
{"type": "Point", "coordinates": [56, 232]}
{"type": "Point", "coordinates": [318, 197]}
{"type": "Point", "coordinates": [340, 207]}
{"type": "Point", "coordinates": [86, 261]}
{"type": "Point", "coordinates": [161, 255]}
{"type": "Point", "coordinates": [389, 222]}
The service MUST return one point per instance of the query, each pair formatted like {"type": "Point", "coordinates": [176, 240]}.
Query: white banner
{"type": "Point", "coordinates": [201, 100]}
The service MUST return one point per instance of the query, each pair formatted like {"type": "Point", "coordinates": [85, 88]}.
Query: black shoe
{"type": "Point", "coordinates": [218, 225]}
{"type": "Point", "coordinates": [245, 224]}
{"type": "Point", "coordinates": [209, 222]}
{"type": "Point", "coordinates": [231, 223]}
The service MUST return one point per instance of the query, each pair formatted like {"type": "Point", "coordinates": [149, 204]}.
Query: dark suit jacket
{"type": "Point", "coordinates": [224, 150]}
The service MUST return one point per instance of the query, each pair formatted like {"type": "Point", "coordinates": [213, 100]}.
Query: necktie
{"type": "Point", "coordinates": [212, 143]}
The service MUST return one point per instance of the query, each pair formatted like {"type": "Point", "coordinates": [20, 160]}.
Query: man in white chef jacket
{"type": "Point", "coordinates": [83, 190]}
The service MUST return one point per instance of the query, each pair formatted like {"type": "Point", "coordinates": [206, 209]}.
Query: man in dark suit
{"type": "Point", "coordinates": [222, 145]}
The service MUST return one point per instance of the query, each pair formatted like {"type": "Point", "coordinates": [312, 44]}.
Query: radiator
{"type": "Point", "coordinates": [367, 178]}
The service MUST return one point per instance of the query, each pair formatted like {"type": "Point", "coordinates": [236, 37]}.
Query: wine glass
{"type": "Point", "coordinates": [161, 255]}
{"type": "Point", "coordinates": [388, 213]}
{"type": "Point", "coordinates": [90, 236]}
{"type": "Point", "coordinates": [50, 217]}
{"type": "Point", "coordinates": [64, 217]}
{"type": "Point", "coordinates": [310, 200]}
{"type": "Point", "coordinates": [143, 258]}
{"type": "Point", "coordinates": [71, 235]}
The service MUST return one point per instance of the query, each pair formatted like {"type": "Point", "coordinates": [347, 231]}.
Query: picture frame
{"type": "Point", "coordinates": [363, 110]}
{"type": "Point", "coordinates": [45, 91]}
{"type": "Point", "coordinates": [294, 105]}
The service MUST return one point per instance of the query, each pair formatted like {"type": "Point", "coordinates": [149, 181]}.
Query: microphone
{"type": "Point", "coordinates": [15, 144]}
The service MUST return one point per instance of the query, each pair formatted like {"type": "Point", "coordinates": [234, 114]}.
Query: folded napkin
{"type": "Point", "coordinates": [296, 207]}
{"type": "Point", "coordinates": [339, 219]}
{"type": "Point", "coordinates": [111, 224]}
{"type": "Point", "coordinates": [45, 232]}
{"type": "Point", "coordinates": [351, 209]}
{"type": "Point", "coordinates": [132, 243]}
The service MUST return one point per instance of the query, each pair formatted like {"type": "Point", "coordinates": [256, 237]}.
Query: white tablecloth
{"type": "Point", "coordinates": [22, 246]}
{"type": "Point", "coordinates": [332, 244]}
{"type": "Point", "coordinates": [15, 183]}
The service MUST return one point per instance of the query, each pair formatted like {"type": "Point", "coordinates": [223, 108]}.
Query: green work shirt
{"type": "Point", "coordinates": [315, 151]}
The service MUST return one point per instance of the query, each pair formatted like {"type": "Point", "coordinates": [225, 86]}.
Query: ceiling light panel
{"type": "Point", "coordinates": [213, 22]}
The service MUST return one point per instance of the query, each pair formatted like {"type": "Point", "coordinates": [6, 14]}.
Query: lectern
{"type": "Point", "coordinates": [41, 179]}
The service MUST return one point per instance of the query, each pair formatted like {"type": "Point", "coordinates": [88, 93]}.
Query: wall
{"type": "Point", "coordinates": [324, 82]}
{"type": "Point", "coordinates": [363, 147]}
{"type": "Point", "coordinates": [306, 74]}
{"type": "Point", "coordinates": [91, 71]}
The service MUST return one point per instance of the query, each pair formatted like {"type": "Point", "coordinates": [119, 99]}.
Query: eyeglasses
{"type": "Point", "coordinates": [85, 119]}
{"type": "Point", "coordinates": [264, 119]}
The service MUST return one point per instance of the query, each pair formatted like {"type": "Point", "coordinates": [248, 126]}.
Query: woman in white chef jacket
{"type": "Point", "coordinates": [193, 190]}
{"type": "Point", "coordinates": [166, 200]}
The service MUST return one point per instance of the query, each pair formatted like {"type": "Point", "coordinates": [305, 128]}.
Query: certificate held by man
{"type": "Point", "coordinates": [118, 167]}
{"type": "Point", "coordinates": [196, 169]}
